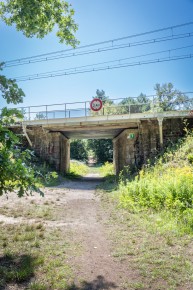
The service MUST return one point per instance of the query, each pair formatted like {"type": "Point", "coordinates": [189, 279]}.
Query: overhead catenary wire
{"type": "Point", "coordinates": [93, 67]}
{"type": "Point", "coordinates": [61, 53]}
{"type": "Point", "coordinates": [102, 49]}
{"type": "Point", "coordinates": [157, 60]}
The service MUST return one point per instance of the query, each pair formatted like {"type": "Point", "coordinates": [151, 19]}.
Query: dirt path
{"type": "Point", "coordinates": [84, 213]}
{"type": "Point", "coordinates": [77, 208]}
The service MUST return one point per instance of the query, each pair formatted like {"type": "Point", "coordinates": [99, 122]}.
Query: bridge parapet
{"type": "Point", "coordinates": [121, 106]}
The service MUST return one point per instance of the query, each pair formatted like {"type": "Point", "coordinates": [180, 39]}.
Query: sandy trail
{"type": "Point", "coordinates": [79, 210]}
{"type": "Point", "coordinates": [83, 210]}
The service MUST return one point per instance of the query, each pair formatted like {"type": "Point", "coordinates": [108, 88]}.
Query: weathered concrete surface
{"type": "Point", "coordinates": [134, 147]}
{"type": "Point", "coordinates": [52, 147]}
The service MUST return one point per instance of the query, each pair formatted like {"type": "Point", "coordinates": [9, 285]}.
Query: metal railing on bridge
{"type": "Point", "coordinates": [120, 106]}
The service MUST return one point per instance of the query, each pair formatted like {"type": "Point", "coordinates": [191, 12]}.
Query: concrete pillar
{"type": "Point", "coordinates": [115, 157]}
{"type": "Point", "coordinates": [64, 154]}
{"type": "Point", "coordinates": [144, 140]}
{"type": "Point", "coordinates": [160, 122]}
{"type": "Point", "coordinates": [124, 149]}
{"type": "Point", "coordinates": [153, 133]}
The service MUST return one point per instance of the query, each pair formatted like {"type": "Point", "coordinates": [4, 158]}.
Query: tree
{"type": "Point", "coordinates": [38, 18]}
{"type": "Point", "coordinates": [169, 99]}
{"type": "Point", "coordinates": [102, 148]}
{"type": "Point", "coordinates": [34, 18]}
{"type": "Point", "coordinates": [78, 150]}
{"type": "Point", "coordinates": [100, 94]}
{"type": "Point", "coordinates": [134, 105]}
{"type": "Point", "coordinates": [15, 172]}
{"type": "Point", "coordinates": [10, 90]}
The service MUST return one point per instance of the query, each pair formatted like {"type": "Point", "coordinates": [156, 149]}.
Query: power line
{"type": "Point", "coordinates": [103, 49]}
{"type": "Point", "coordinates": [112, 41]}
{"type": "Point", "coordinates": [107, 62]}
{"type": "Point", "coordinates": [86, 70]}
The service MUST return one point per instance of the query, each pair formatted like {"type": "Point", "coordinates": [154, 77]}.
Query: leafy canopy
{"type": "Point", "coordinates": [38, 18]}
{"type": "Point", "coordinates": [34, 18]}
{"type": "Point", "coordinates": [79, 150]}
{"type": "Point", "coordinates": [16, 174]}
{"type": "Point", "coordinates": [102, 149]}
{"type": "Point", "coordinates": [169, 99]}
{"type": "Point", "coordinates": [9, 90]}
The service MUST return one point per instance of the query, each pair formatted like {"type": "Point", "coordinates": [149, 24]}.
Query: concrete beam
{"type": "Point", "coordinates": [109, 118]}
{"type": "Point", "coordinates": [81, 127]}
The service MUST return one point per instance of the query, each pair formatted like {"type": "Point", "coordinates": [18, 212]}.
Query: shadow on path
{"type": "Point", "coordinates": [83, 183]}
{"type": "Point", "coordinates": [98, 284]}
{"type": "Point", "coordinates": [16, 269]}
{"type": "Point", "coordinates": [92, 178]}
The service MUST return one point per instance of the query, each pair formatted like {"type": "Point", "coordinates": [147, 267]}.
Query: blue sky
{"type": "Point", "coordinates": [99, 21]}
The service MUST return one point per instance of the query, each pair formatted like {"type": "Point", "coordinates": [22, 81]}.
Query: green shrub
{"type": "Point", "coordinates": [107, 169]}
{"type": "Point", "coordinates": [77, 169]}
{"type": "Point", "coordinates": [190, 158]}
{"type": "Point", "coordinates": [170, 188]}
{"type": "Point", "coordinates": [45, 175]}
{"type": "Point", "coordinates": [166, 186]}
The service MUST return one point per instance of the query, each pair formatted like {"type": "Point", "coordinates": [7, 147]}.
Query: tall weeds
{"type": "Point", "coordinates": [166, 186]}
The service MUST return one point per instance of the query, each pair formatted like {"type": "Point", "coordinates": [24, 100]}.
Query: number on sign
{"type": "Point", "coordinates": [191, 113]}
{"type": "Point", "coordinates": [96, 104]}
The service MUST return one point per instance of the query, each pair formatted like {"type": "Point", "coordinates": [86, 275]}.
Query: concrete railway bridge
{"type": "Point", "coordinates": [137, 131]}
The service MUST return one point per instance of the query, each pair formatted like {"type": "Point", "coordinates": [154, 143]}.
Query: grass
{"type": "Point", "coordinates": [35, 255]}
{"type": "Point", "coordinates": [35, 233]}
{"type": "Point", "coordinates": [151, 221]}
{"type": "Point", "coordinates": [107, 169]}
{"type": "Point", "coordinates": [155, 252]}
{"type": "Point", "coordinates": [77, 169]}
{"type": "Point", "coordinates": [33, 210]}
{"type": "Point", "coordinates": [94, 168]}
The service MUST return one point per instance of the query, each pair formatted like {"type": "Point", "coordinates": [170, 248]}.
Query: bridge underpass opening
{"type": "Point", "coordinates": [133, 142]}
{"type": "Point", "coordinates": [95, 141]}
{"type": "Point", "coordinates": [104, 142]}
{"type": "Point", "coordinates": [93, 152]}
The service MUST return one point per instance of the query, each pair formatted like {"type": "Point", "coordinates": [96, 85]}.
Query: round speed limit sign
{"type": "Point", "coordinates": [191, 113]}
{"type": "Point", "coordinates": [96, 104]}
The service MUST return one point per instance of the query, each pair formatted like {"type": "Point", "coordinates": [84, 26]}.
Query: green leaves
{"type": "Point", "coordinates": [38, 18]}
{"type": "Point", "coordinates": [34, 18]}
{"type": "Point", "coordinates": [10, 90]}
{"type": "Point", "coordinates": [16, 173]}
{"type": "Point", "coordinates": [170, 99]}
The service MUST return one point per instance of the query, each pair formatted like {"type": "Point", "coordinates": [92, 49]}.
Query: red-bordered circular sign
{"type": "Point", "coordinates": [191, 113]}
{"type": "Point", "coordinates": [96, 104]}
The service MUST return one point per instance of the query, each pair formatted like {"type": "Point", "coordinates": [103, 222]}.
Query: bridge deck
{"type": "Point", "coordinates": [99, 126]}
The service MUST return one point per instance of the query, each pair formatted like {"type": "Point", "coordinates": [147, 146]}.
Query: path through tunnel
{"type": "Point", "coordinates": [97, 145]}
{"type": "Point", "coordinates": [91, 157]}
